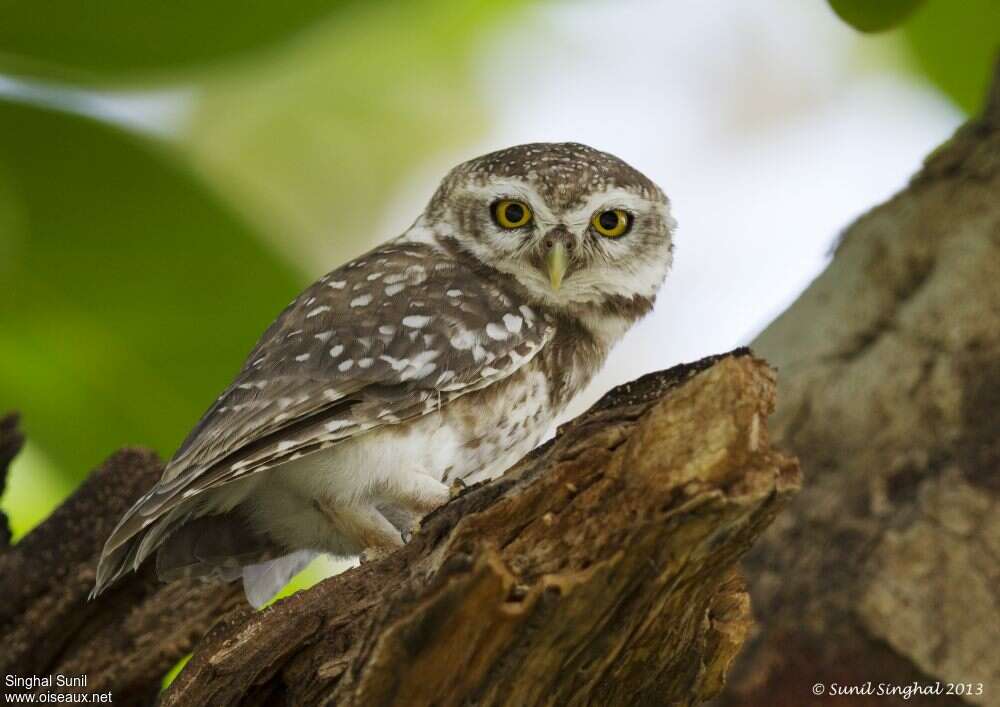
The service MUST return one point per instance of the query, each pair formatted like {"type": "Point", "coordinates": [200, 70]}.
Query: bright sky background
{"type": "Point", "coordinates": [758, 119]}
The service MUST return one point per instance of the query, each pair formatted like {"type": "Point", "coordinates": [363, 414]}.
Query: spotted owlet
{"type": "Point", "coordinates": [440, 356]}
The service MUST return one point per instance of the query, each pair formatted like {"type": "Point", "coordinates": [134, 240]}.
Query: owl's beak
{"type": "Point", "coordinates": [555, 263]}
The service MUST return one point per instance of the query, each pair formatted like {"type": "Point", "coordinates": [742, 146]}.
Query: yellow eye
{"type": "Point", "coordinates": [612, 223]}
{"type": "Point", "coordinates": [511, 214]}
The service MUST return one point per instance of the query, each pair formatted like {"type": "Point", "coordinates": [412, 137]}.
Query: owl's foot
{"type": "Point", "coordinates": [417, 493]}
{"type": "Point", "coordinates": [365, 525]}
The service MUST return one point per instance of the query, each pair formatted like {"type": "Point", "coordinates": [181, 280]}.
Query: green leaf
{"type": "Point", "coordinates": [874, 15]}
{"type": "Point", "coordinates": [101, 39]}
{"type": "Point", "coordinates": [956, 45]}
{"type": "Point", "coordinates": [130, 294]}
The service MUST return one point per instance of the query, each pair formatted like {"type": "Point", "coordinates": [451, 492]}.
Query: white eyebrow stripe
{"type": "Point", "coordinates": [615, 198]}
{"type": "Point", "coordinates": [510, 187]}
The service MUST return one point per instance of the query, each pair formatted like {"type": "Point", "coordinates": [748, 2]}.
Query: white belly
{"type": "Point", "coordinates": [475, 437]}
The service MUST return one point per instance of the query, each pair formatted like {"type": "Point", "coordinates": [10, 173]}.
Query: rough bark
{"type": "Point", "coordinates": [887, 567]}
{"type": "Point", "coordinates": [599, 570]}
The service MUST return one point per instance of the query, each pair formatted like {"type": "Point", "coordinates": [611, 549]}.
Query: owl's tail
{"type": "Point", "coordinates": [224, 548]}
{"type": "Point", "coordinates": [211, 547]}
{"type": "Point", "coordinates": [125, 552]}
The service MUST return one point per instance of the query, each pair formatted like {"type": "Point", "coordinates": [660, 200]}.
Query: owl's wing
{"type": "Point", "coordinates": [386, 338]}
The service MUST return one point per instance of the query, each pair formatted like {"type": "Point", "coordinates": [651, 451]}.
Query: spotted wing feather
{"type": "Point", "coordinates": [386, 338]}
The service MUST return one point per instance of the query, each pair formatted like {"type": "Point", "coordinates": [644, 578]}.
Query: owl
{"type": "Point", "coordinates": [439, 358]}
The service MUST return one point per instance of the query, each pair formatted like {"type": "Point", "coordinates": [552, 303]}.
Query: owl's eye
{"type": "Point", "coordinates": [612, 223]}
{"type": "Point", "coordinates": [511, 214]}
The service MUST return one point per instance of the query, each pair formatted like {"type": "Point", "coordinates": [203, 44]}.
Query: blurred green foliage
{"type": "Point", "coordinates": [874, 15]}
{"type": "Point", "coordinates": [121, 39]}
{"type": "Point", "coordinates": [131, 294]}
{"type": "Point", "coordinates": [954, 44]}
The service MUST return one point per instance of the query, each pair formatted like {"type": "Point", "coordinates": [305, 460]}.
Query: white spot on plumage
{"type": "Point", "coordinates": [463, 340]}
{"type": "Point", "coordinates": [495, 331]}
{"type": "Point", "coordinates": [513, 323]}
{"type": "Point", "coordinates": [396, 364]}
{"type": "Point", "coordinates": [337, 350]}
{"type": "Point", "coordinates": [374, 276]}
{"type": "Point", "coordinates": [346, 365]}
{"type": "Point", "coordinates": [319, 310]}
{"type": "Point", "coordinates": [454, 293]}
{"type": "Point", "coordinates": [323, 336]}
{"type": "Point", "coordinates": [335, 425]}
{"type": "Point", "coordinates": [415, 372]}
{"type": "Point", "coordinates": [394, 289]}
{"type": "Point", "coordinates": [302, 357]}
{"type": "Point", "coordinates": [387, 330]}
{"type": "Point", "coordinates": [361, 301]}
{"type": "Point", "coordinates": [365, 362]}
{"type": "Point", "coordinates": [416, 321]}
{"type": "Point", "coordinates": [286, 445]}
{"type": "Point", "coordinates": [337, 284]}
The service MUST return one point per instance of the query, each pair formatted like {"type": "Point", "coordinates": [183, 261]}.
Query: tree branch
{"type": "Point", "coordinates": [598, 570]}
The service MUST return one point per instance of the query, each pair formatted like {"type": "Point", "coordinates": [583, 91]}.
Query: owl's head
{"type": "Point", "coordinates": [573, 225]}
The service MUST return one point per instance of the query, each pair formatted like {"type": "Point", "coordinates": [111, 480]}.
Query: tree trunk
{"type": "Point", "coordinates": [599, 570]}
{"type": "Point", "coordinates": [887, 567]}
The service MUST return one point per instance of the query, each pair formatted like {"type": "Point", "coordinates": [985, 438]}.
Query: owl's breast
{"type": "Point", "coordinates": [479, 435]}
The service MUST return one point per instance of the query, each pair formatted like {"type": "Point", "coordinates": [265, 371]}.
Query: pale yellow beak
{"type": "Point", "coordinates": [555, 262]}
